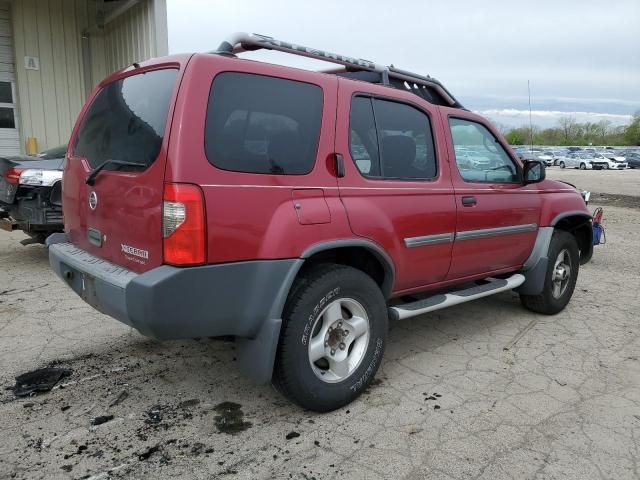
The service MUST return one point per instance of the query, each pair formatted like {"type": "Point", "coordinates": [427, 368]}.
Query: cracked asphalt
{"type": "Point", "coordinates": [484, 390]}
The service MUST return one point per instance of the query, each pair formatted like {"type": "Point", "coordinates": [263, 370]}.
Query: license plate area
{"type": "Point", "coordinates": [81, 283]}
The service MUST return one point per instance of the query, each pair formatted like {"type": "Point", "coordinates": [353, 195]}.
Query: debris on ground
{"type": "Point", "coordinates": [230, 418]}
{"type": "Point", "coordinates": [119, 399]}
{"type": "Point", "coordinates": [291, 435]}
{"type": "Point", "coordinates": [189, 403]}
{"type": "Point", "coordinates": [39, 381]}
{"type": "Point", "coordinates": [155, 414]}
{"type": "Point", "coordinates": [145, 454]}
{"type": "Point", "coordinates": [101, 419]}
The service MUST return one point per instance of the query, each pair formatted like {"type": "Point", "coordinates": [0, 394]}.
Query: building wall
{"type": "Point", "coordinates": [49, 99]}
{"type": "Point", "coordinates": [9, 137]}
{"type": "Point", "coordinates": [134, 36]}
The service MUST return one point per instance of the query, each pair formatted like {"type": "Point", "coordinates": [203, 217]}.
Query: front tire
{"type": "Point", "coordinates": [562, 165]}
{"type": "Point", "coordinates": [583, 166]}
{"type": "Point", "coordinates": [333, 337]}
{"type": "Point", "coordinates": [560, 278]}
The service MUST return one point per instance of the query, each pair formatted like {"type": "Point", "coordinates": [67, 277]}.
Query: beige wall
{"type": "Point", "coordinates": [50, 98]}
{"type": "Point", "coordinates": [132, 37]}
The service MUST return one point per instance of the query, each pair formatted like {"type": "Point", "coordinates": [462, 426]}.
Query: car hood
{"type": "Point", "coordinates": [26, 161]}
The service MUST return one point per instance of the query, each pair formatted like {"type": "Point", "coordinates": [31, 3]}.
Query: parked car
{"type": "Point", "coordinates": [30, 194]}
{"type": "Point", "coordinates": [608, 162]}
{"type": "Point", "coordinates": [547, 157]}
{"type": "Point", "coordinates": [632, 159]}
{"type": "Point", "coordinates": [297, 210]}
{"type": "Point", "coordinates": [583, 161]}
{"type": "Point", "coordinates": [537, 155]}
{"type": "Point", "coordinates": [612, 154]}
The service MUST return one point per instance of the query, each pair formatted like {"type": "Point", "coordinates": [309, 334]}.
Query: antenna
{"type": "Point", "coordinates": [530, 124]}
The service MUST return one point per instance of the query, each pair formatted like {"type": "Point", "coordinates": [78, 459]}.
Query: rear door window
{"type": "Point", "coordinates": [127, 119]}
{"type": "Point", "coordinates": [259, 124]}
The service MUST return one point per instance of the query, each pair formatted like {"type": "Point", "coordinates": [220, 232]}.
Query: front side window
{"type": "Point", "coordinates": [391, 140]}
{"type": "Point", "coordinates": [479, 155]}
{"type": "Point", "coordinates": [259, 124]}
{"type": "Point", "coordinates": [127, 119]}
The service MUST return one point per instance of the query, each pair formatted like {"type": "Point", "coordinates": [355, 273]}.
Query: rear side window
{"type": "Point", "coordinates": [127, 119]}
{"type": "Point", "coordinates": [391, 140]}
{"type": "Point", "coordinates": [259, 124]}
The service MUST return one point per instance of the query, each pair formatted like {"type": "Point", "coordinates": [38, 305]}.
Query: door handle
{"type": "Point", "coordinates": [339, 165]}
{"type": "Point", "coordinates": [469, 201]}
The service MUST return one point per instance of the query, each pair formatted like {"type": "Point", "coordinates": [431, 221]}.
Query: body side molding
{"type": "Point", "coordinates": [493, 232]}
{"type": "Point", "coordinates": [429, 240]}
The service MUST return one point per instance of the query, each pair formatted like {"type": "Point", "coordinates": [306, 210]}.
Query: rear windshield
{"type": "Point", "coordinates": [126, 120]}
{"type": "Point", "coordinates": [259, 124]}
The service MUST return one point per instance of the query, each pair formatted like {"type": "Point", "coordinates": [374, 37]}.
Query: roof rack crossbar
{"type": "Point", "coordinates": [240, 42]}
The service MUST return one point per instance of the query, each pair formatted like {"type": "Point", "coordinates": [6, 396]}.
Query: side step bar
{"type": "Point", "coordinates": [444, 300]}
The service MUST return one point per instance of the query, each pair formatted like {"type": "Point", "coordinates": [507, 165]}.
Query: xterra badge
{"type": "Point", "coordinates": [137, 252]}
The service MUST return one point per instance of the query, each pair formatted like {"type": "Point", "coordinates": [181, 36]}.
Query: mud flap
{"type": "Point", "coordinates": [534, 278]}
{"type": "Point", "coordinates": [256, 356]}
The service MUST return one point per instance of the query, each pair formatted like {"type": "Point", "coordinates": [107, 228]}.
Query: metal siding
{"type": "Point", "coordinates": [131, 37]}
{"type": "Point", "coordinates": [6, 44]}
{"type": "Point", "coordinates": [47, 74]}
{"type": "Point", "coordinates": [9, 137]}
{"type": "Point", "coordinates": [50, 98]}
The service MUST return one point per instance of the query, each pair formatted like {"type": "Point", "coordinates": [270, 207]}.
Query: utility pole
{"type": "Point", "coordinates": [530, 124]}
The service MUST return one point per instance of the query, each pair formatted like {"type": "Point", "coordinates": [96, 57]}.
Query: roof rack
{"type": "Point", "coordinates": [425, 87]}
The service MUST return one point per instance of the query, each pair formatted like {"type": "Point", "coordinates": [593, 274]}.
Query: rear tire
{"type": "Point", "coordinates": [583, 166]}
{"type": "Point", "coordinates": [561, 276]}
{"type": "Point", "coordinates": [561, 164]}
{"type": "Point", "coordinates": [333, 337]}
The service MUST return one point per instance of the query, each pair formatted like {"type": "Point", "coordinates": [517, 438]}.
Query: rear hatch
{"type": "Point", "coordinates": [119, 217]}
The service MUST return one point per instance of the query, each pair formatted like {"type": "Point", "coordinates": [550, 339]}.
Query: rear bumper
{"type": "Point", "coordinates": [166, 302]}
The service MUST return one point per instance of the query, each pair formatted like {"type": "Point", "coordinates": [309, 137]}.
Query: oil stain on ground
{"type": "Point", "coordinates": [230, 418]}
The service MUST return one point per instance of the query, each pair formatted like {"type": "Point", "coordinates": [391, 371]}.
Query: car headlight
{"type": "Point", "coordinates": [40, 178]}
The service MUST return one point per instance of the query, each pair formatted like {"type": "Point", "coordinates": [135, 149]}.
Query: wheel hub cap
{"type": "Point", "coordinates": [561, 274]}
{"type": "Point", "coordinates": [339, 340]}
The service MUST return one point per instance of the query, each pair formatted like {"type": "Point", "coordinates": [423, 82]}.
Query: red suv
{"type": "Point", "coordinates": [299, 211]}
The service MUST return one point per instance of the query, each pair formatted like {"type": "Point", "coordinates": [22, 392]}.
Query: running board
{"type": "Point", "coordinates": [444, 300]}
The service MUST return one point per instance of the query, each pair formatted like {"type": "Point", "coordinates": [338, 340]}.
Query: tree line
{"type": "Point", "coordinates": [570, 132]}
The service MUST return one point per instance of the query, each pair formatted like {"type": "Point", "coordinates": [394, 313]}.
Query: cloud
{"type": "Point", "coordinates": [547, 118]}
{"type": "Point", "coordinates": [578, 55]}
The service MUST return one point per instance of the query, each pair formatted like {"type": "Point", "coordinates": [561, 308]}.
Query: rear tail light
{"type": "Point", "coordinates": [183, 225]}
{"type": "Point", "coordinates": [12, 175]}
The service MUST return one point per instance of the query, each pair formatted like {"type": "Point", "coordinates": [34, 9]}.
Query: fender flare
{"type": "Point", "coordinates": [571, 213]}
{"type": "Point", "coordinates": [382, 256]}
{"type": "Point", "coordinates": [535, 267]}
{"type": "Point", "coordinates": [256, 356]}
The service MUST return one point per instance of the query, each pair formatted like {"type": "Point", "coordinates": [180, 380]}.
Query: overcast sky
{"type": "Point", "coordinates": [582, 57]}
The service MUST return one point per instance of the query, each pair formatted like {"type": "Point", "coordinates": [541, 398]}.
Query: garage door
{"type": "Point", "coordinates": [9, 136]}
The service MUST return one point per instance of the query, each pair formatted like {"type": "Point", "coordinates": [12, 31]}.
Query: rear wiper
{"type": "Point", "coordinates": [91, 178]}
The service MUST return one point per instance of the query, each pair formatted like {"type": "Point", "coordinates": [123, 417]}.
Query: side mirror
{"type": "Point", "coordinates": [534, 172]}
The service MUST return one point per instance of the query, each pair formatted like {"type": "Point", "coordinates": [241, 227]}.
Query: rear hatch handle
{"type": "Point", "coordinates": [91, 178]}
